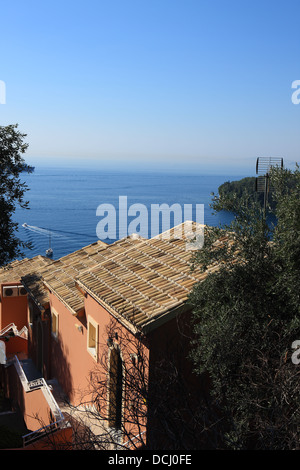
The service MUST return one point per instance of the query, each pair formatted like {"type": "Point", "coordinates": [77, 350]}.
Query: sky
{"type": "Point", "coordinates": [187, 85]}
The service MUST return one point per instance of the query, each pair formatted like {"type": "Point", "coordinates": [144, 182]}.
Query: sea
{"type": "Point", "coordinates": [63, 204]}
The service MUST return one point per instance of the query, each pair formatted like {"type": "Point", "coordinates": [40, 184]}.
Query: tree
{"type": "Point", "coordinates": [12, 190]}
{"type": "Point", "coordinates": [246, 317]}
{"type": "Point", "coordinates": [236, 189]}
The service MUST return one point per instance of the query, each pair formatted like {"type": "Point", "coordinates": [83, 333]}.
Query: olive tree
{"type": "Point", "coordinates": [246, 318]}
{"type": "Point", "coordinates": [12, 190]}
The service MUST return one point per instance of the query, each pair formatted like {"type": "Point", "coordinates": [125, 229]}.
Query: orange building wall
{"type": "Point", "coordinates": [60, 440]}
{"type": "Point", "coordinates": [69, 359]}
{"type": "Point", "coordinates": [13, 310]}
{"type": "Point", "coordinates": [37, 410]}
{"type": "Point", "coordinates": [128, 345]}
{"type": "Point", "coordinates": [170, 345]}
{"type": "Point", "coordinates": [33, 405]}
{"type": "Point", "coordinates": [15, 346]}
{"type": "Point", "coordinates": [71, 363]}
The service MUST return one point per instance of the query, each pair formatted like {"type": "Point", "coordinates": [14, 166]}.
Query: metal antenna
{"type": "Point", "coordinates": [263, 167]}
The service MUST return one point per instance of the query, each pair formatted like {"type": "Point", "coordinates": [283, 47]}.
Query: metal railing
{"type": "Point", "coordinates": [130, 442]}
{"type": "Point", "coordinates": [42, 432]}
{"type": "Point", "coordinates": [23, 333]}
{"type": "Point", "coordinates": [40, 383]}
{"type": "Point", "coordinates": [36, 384]}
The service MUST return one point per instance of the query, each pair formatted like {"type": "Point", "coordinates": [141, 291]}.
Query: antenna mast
{"type": "Point", "coordinates": [263, 168]}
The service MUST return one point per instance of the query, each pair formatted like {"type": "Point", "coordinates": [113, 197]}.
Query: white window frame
{"type": "Point", "coordinates": [93, 350]}
{"type": "Point", "coordinates": [30, 313]}
{"type": "Point", "coordinates": [54, 314]}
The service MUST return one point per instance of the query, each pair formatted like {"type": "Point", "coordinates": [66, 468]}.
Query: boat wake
{"type": "Point", "coordinates": [62, 235]}
{"type": "Point", "coordinates": [42, 231]}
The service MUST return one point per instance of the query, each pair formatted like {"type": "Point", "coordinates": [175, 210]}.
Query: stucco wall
{"type": "Point", "coordinates": [13, 310]}
{"type": "Point", "coordinates": [33, 405]}
{"type": "Point", "coordinates": [72, 363]}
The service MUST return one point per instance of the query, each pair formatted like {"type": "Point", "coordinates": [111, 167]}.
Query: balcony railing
{"type": "Point", "coordinates": [40, 383]}
{"type": "Point", "coordinates": [34, 436]}
{"type": "Point", "coordinates": [23, 333]}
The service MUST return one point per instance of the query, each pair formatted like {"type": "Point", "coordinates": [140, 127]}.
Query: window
{"type": "Point", "coordinates": [54, 322]}
{"type": "Point", "coordinates": [92, 337]}
{"type": "Point", "coordinates": [31, 311]}
{"type": "Point", "coordinates": [115, 387]}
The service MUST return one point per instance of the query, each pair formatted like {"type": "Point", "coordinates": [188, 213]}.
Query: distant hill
{"type": "Point", "coordinates": [229, 188]}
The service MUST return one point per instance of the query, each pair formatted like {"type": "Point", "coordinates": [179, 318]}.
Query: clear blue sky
{"type": "Point", "coordinates": [186, 84]}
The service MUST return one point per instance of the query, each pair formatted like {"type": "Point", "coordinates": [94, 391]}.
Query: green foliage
{"type": "Point", "coordinates": [232, 191]}
{"type": "Point", "coordinates": [238, 187]}
{"type": "Point", "coordinates": [246, 316]}
{"type": "Point", "coordinates": [12, 190]}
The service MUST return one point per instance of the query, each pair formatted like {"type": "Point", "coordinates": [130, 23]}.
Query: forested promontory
{"type": "Point", "coordinates": [240, 188]}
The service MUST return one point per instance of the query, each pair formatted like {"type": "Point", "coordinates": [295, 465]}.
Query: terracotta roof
{"type": "Point", "coordinates": [64, 268]}
{"type": "Point", "coordinates": [13, 272]}
{"type": "Point", "coordinates": [144, 282]}
{"type": "Point", "coordinates": [61, 278]}
{"type": "Point", "coordinates": [137, 280]}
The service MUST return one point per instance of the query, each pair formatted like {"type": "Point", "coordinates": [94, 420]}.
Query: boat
{"type": "Point", "coordinates": [49, 251]}
{"type": "Point", "coordinates": [24, 225]}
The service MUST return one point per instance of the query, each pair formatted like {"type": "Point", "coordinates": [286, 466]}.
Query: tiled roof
{"type": "Point", "coordinates": [61, 278]}
{"type": "Point", "coordinates": [13, 272]}
{"type": "Point", "coordinates": [138, 280]}
{"type": "Point", "coordinates": [144, 282]}
{"type": "Point", "coordinates": [63, 268]}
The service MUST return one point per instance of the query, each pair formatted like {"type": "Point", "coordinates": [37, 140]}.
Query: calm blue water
{"type": "Point", "coordinates": [63, 202]}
